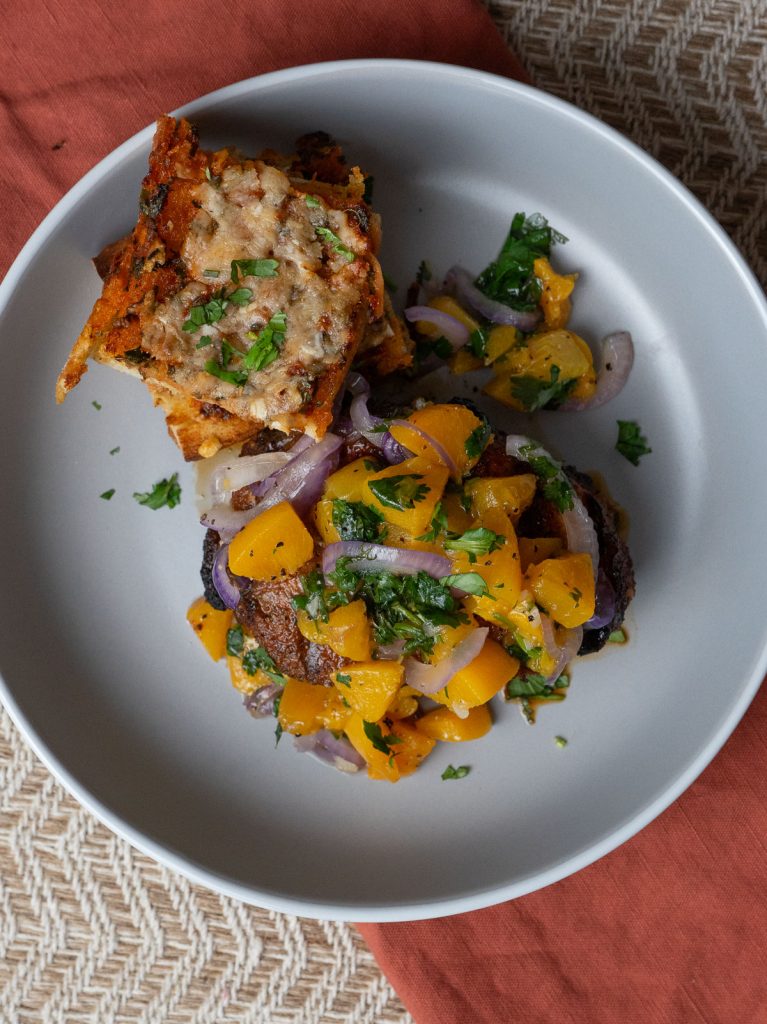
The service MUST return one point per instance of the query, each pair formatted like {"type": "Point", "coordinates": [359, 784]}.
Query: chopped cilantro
{"type": "Point", "coordinates": [510, 278]}
{"type": "Point", "coordinates": [240, 296]}
{"type": "Point", "coordinates": [401, 491]}
{"type": "Point", "coordinates": [211, 273]}
{"type": "Point", "coordinates": [618, 636]}
{"type": "Point", "coordinates": [312, 201]}
{"type": "Point", "coordinates": [631, 444]}
{"type": "Point", "coordinates": [235, 638]}
{"type": "Point", "coordinates": [560, 741]}
{"type": "Point", "coordinates": [355, 520]}
{"type": "Point", "coordinates": [252, 268]}
{"type": "Point", "coordinates": [377, 738]}
{"type": "Point", "coordinates": [469, 582]}
{"type": "Point", "coordinates": [530, 684]}
{"type": "Point", "coordinates": [343, 679]}
{"type": "Point", "coordinates": [204, 341]}
{"type": "Point", "coordinates": [107, 495]}
{"type": "Point", "coordinates": [477, 440]}
{"type": "Point", "coordinates": [97, 405]}
{"type": "Point", "coordinates": [456, 773]}
{"type": "Point", "coordinates": [114, 451]}
{"type": "Point", "coordinates": [437, 526]}
{"type": "Point", "coordinates": [477, 343]}
{"type": "Point", "coordinates": [276, 711]}
{"type": "Point", "coordinates": [533, 393]}
{"type": "Point", "coordinates": [258, 659]}
{"type": "Point", "coordinates": [209, 312]}
{"type": "Point", "coordinates": [236, 377]}
{"type": "Point", "coordinates": [555, 485]}
{"type": "Point", "coordinates": [165, 492]}
{"type": "Point", "coordinates": [335, 242]}
{"type": "Point", "coordinates": [267, 344]}
{"type": "Point", "coordinates": [479, 541]}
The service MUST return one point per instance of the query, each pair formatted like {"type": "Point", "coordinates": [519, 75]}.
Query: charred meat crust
{"type": "Point", "coordinates": [210, 546]}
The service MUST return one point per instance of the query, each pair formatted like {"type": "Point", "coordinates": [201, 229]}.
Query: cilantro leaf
{"type": "Point", "coordinates": [479, 541]}
{"type": "Point", "coordinates": [108, 495]}
{"type": "Point", "coordinates": [437, 526]}
{"type": "Point", "coordinates": [312, 201]}
{"type": "Point", "coordinates": [267, 343]}
{"type": "Point", "coordinates": [469, 582]}
{"type": "Point", "coordinates": [401, 491]}
{"type": "Point", "coordinates": [477, 440]}
{"type": "Point", "coordinates": [165, 492]}
{"type": "Point", "coordinates": [209, 312]}
{"type": "Point", "coordinates": [631, 444]}
{"type": "Point", "coordinates": [235, 638]}
{"type": "Point", "coordinates": [555, 484]}
{"type": "Point", "coordinates": [355, 520]}
{"type": "Point", "coordinates": [97, 405]}
{"type": "Point", "coordinates": [477, 343]}
{"type": "Point", "coordinates": [335, 242]}
{"type": "Point", "coordinates": [258, 658]}
{"type": "Point", "coordinates": [510, 278]}
{"type": "Point", "coordinates": [533, 393]}
{"type": "Point", "coordinates": [377, 738]}
{"type": "Point", "coordinates": [253, 268]}
{"type": "Point", "coordinates": [240, 296]}
{"type": "Point", "coordinates": [456, 773]}
{"type": "Point", "coordinates": [343, 678]}
{"type": "Point", "coordinates": [560, 741]}
{"type": "Point", "coordinates": [236, 377]}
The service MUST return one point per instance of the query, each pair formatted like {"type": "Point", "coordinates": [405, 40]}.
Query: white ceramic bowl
{"type": "Point", "coordinates": [103, 674]}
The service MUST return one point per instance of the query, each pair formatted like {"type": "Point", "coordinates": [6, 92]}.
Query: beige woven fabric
{"type": "Point", "coordinates": [90, 930]}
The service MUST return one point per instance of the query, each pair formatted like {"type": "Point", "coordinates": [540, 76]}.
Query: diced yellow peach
{"type": "Point", "coordinates": [273, 543]}
{"type": "Point", "coordinates": [564, 588]}
{"type": "Point", "coordinates": [451, 426]}
{"type": "Point", "coordinates": [308, 707]}
{"type": "Point", "coordinates": [555, 296]}
{"type": "Point", "coordinates": [553, 348]}
{"type": "Point", "coordinates": [464, 361]}
{"type": "Point", "coordinates": [369, 687]}
{"type": "Point", "coordinates": [500, 569]}
{"type": "Point", "coordinates": [404, 704]}
{"type": "Point", "coordinates": [499, 341]}
{"type": "Point", "coordinates": [537, 549]}
{"type": "Point", "coordinates": [480, 680]}
{"type": "Point", "coordinates": [419, 493]}
{"type": "Point", "coordinates": [210, 625]}
{"type": "Point", "coordinates": [323, 521]}
{"type": "Point", "coordinates": [413, 747]}
{"type": "Point", "coordinates": [242, 680]}
{"type": "Point", "coordinates": [512, 494]}
{"type": "Point", "coordinates": [347, 630]}
{"type": "Point", "coordinates": [443, 724]}
{"type": "Point", "coordinates": [350, 482]}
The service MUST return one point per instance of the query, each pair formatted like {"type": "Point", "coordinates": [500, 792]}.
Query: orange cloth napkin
{"type": "Point", "coordinates": [670, 928]}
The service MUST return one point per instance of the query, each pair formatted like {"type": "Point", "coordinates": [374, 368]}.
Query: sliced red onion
{"type": "Point", "coordinates": [428, 439]}
{"type": "Point", "coordinates": [362, 420]}
{"type": "Point", "coordinates": [245, 470]}
{"type": "Point", "coordinates": [617, 361]}
{"type": "Point", "coordinates": [381, 558]}
{"type": "Point", "coordinates": [579, 529]}
{"type": "Point", "coordinates": [260, 703]}
{"type": "Point", "coordinates": [562, 653]}
{"type": "Point", "coordinates": [604, 610]}
{"type": "Point", "coordinates": [393, 451]}
{"type": "Point", "coordinates": [265, 484]}
{"type": "Point", "coordinates": [333, 750]}
{"type": "Point", "coordinates": [226, 587]}
{"type": "Point", "coordinates": [450, 328]}
{"type": "Point", "coordinates": [392, 651]}
{"type": "Point", "coordinates": [226, 521]}
{"type": "Point", "coordinates": [301, 481]}
{"type": "Point", "coordinates": [461, 282]}
{"type": "Point", "coordinates": [427, 679]}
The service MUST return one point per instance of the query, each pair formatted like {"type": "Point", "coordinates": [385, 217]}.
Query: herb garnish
{"type": "Point", "coordinates": [114, 451]}
{"type": "Point", "coordinates": [97, 405]}
{"type": "Point", "coordinates": [107, 495]}
{"type": "Point", "coordinates": [437, 526]}
{"type": "Point", "coordinates": [530, 684]}
{"type": "Point", "coordinates": [510, 278]}
{"type": "Point", "coordinates": [211, 273]}
{"type": "Point", "coordinates": [253, 268]}
{"type": "Point", "coordinates": [235, 638]}
{"type": "Point", "coordinates": [479, 541]}
{"type": "Point", "coordinates": [532, 393]}
{"type": "Point", "coordinates": [312, 200]}
{"type": "Point", "coordinates": [355, 520]}
{"type": "Point", "coordinates": [222, 371]}
{"type": "Point", "coordinates": [456, 773]}
{"type": "Point", "coordinates": [204, 341]}
{"type": "Point", "coordinates": [165, 492]}
{"type": "Point", "coordinates": [335, 242]}
{"type": "Point", "coordinates": [477, 440]}
{"type": "Point", "coordinates": [400, 492]}
{"type": "Point", "coordinates": [618, 636]}
{"type": "Point", "coordinates": [477, 343]}
{"type": "Point", "coordinates": [257, 659]}
{"type": "Point", "coordinates": [469, 582]}
{"type": "Point", "coordinates": [555, 485]}
{"type": "Point", "coordinates": [343, 679]}
{"type": "Point", "coordinates": [631, 444]}
{"type": "Point", "coordinates": [377, 738]}
{"type": "Point", "coordinates": [560, 741]}
{"type": "Point", "coordinates": [267, 343]}
{"type": "Point", "coordinates": [276, 711]}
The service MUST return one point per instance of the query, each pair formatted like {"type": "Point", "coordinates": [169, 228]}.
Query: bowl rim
{"type": "Point", "coordinates": [493, 895]}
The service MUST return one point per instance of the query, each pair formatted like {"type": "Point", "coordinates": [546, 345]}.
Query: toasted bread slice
{"type": "Point", "coordinates": [244, 292]}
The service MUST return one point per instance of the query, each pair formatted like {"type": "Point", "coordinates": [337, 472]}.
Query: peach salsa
{"type": "Point", "coordinates": [376, 590]}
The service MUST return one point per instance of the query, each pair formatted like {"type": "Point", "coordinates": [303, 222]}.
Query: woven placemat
{"type": "Point", "coordinates": [92, 931]}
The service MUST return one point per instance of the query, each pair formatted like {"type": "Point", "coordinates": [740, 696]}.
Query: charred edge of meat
{"type": "Point", "coordinates": [269, 440]}
{"type": "Point", "coordinates": [614, 558]}
{"type": "Point", "coordinates": [210, 546]}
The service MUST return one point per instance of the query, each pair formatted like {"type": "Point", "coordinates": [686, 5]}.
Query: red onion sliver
{"type": "Point", "coordinates": [461, 282]}
{"type": "Point", "coordinates": [427, 679]}
{"type": "Point", "coordinates": [564, 653]}
{"type": "Point", "coordinates": [260, 703]}
{"type": "Point", "coordinates": [226, 521]}
{"type": "Point", "coordinates": [302, 480]}
{"type": "Point", "coordinates": [247, 469]}
{"type": "Point", "coordinates": [428, 439]}
{"type": "Point", "coordinates": [381, 558]}
{"type": "Point", "coordinates": [362, 420]}
{"type": "Point", "coordinates": [333, 750]}
{"type": "Point", "coordinates": [450, 328]}
{"type": "Point", "coordinates": [617, 361]}
{"type": "Point", "coordinates": [226, 587]}
{"type": "Point", "coordinates": [393, 451]}
{"type": "Point", "coordinates": [579, 529]}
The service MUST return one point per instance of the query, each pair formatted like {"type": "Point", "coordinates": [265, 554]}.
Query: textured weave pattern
{"type": "Point", "coordinates": [90, 930]}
